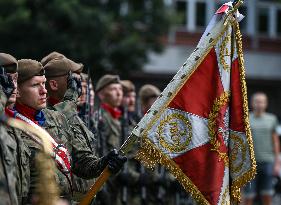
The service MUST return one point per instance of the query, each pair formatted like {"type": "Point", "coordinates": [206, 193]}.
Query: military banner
{"type": "Point", "coordinates": [198, 128]}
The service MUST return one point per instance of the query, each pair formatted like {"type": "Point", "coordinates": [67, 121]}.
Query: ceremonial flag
{"type": "Point", "coordinates": [198, 128]}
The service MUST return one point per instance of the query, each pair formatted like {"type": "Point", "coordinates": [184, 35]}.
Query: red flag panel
{"type": "Point", "coordinates": [201, 89]}
{"type": "Point", "coordinates": [236, 103]}
{"type": "Point", "coordinates": [205, 170]}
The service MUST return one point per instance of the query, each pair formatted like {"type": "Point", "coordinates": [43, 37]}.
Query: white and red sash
{"type": "Point", "coordinates": [60, 153]}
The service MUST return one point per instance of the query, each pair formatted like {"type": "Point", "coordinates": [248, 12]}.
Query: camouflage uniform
{"type": "Point", "coordinates": [83, 164]}
{"type": "Point", "coordinates": [8, 162]}
{"type": "Point", "coordinates": [82, 140]}
{"type": "Point", "coordinates": [110, 138]}
{"type": "Point", "coordinates": [18, 162]}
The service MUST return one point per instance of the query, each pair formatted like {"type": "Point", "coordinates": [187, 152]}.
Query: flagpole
{"type": "Point", "coordinates": [125, 148]}
{"type": "Point", "coordinates": [236, 5]}
{"type": "Point", "coordinates": [129, 143]}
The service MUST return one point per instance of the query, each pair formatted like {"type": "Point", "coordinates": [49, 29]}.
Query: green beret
{"type": "Point", "coordinates": [127, 86]}
{"type": "Point", "coordinates": [61, 66]}
{"type": "Point", "coordinates": [28, 68]}
{"type": "Point", "coordinates": [148, 91]}
{"type": "Point", "coordinates": [106, 80]}
{"type": "Point", "coordinates": [8, 62]}
{"type": "Point", "coordinates": [51, 56]}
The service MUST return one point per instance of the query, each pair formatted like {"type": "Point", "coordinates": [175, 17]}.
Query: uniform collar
{"type": "Point", "coordinates": [36, 116]}
{"type": "Point", "coordinates": [114, 112]}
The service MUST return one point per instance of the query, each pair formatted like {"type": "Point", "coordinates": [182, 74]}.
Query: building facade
{"type": "Point", "coordinates": [261, 30]}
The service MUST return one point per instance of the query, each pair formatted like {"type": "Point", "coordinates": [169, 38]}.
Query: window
{"type": "Point", "coordinates": [279, 21]}
{"type": "Point", "coordinates": [200, 14]}
{"type": "Point", "coordinates": [181, 12]}
{"type": "Point", "coordinates": [263, 20]}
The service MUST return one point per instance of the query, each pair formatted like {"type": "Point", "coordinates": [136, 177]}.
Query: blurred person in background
{"type": "Point", "coordinates": [148, 94]}
{"type": "Point", "coordinates": [266, 147]}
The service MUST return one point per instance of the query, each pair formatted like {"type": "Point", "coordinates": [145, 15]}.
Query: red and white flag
{"type": "Point", "coordinates": [198, 128]}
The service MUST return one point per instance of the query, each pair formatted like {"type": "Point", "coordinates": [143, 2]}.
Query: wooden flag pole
{"type": "Point", "coordinates": [96, 187]}
{"type": "Point", "coordinates": [125, 148]}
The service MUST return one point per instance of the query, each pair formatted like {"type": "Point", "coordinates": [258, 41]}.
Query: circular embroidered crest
{"type": "Point", "coordinates": [174, 132]}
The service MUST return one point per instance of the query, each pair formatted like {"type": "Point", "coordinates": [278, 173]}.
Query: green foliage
{"type": "Point", "coordinates": [105, 35]}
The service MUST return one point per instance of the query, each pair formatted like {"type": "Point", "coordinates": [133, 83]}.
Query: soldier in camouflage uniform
{"type": "Point", "coordinates": [8, 146]}
{"type": "Point", "coordinates": [86, 101]}
{"type": "Point", "coordinates": [63, 97]}
{"type": "Point", "coordinates": [22, 152]}
{"type": "Point", "coordinates": [30, 107]}
{"type": "Point", "coordinates": [110, 93]}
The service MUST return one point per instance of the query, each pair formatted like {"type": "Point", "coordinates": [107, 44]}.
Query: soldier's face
{"type": "Point", "coordinates": [33, 92]}
{"type": "Point", "coordinates": [112, 95]}
{"type": "Point", "coordinates": [83, 97]}
{"type": "Point", "coordinates": [13, 97]}
{"type": "Point", "coordinates": [130, 101]}
{"type": "Point", "coordinates": [57, 86]}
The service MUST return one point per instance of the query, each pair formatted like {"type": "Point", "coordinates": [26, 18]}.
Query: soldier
{"type": "Point", "coordinates": [30, 107]}
{"type": "Point", "coordinates": [110, 93]}
{"type": "Point", "coordinates": [86, 102]}
{"type": "Point", "coordinates": [63, 98]}
{"type": "Point", "coordinates": [148, 94]}
{"type": "Point", "coordinates": [8, 146]}
{"type": "Point", "coordinates": [129, 100]}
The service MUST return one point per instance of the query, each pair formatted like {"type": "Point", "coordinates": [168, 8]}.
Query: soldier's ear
{"type": "Point", "coordinates": [53, 84]}
{"type": "Point", "coordinates": [100, 94]}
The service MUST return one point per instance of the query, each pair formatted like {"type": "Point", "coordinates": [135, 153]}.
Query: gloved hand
{"type": "Point", "coordinates": [6, 82]}
{"type": "Point", "coordinates": [115, 161]}
{"type": "Point", "coordinates": [73, 82]}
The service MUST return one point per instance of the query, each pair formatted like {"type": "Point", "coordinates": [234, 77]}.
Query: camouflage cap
{"type": "Point", "coordinates": [28, 68]}
{"type": "Point", "coordinates": [127, 86]}
{"type": "Point", "coordinates": [106, 80]}
{"type": "Point", "coordinates": [61, 66]}
{"type": "Point", "coordinates": [51, 56]}
{"type": "Point", "coordinates": [148, 91]}
{"type": "Point", "coordinates": [8, 62]}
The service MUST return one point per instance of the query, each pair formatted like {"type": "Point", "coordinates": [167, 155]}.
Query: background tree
{"type": "Point", "coordinates": [107, 36]}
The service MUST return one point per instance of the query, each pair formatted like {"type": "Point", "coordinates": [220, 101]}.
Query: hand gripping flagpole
{"type": "Point", "coordinates": [132, 139]}
{"type": "Point", "coordinates": [125, 148]}
{"type": "Point", "coordinates": [47, 187]}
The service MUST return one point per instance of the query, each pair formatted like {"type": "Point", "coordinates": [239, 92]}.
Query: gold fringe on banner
{"type": "Point", "coordinates": [242, 180]}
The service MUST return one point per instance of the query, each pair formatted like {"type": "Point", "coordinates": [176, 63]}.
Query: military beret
{"type": "Point", "coordinates": [148, 91]}
{"type": "Point", "coordinates": [51, 56]}
{"type": "Point", "coordinates": [28, 68]}
{"type": "Point", "coordinates": [106, 80]}
{"type": "Point", "coordinates": [61, 66]}
{"type": "Point", "coordinates": [8, 62]}
{"type": "Point", "coordinates": [127, 86]}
